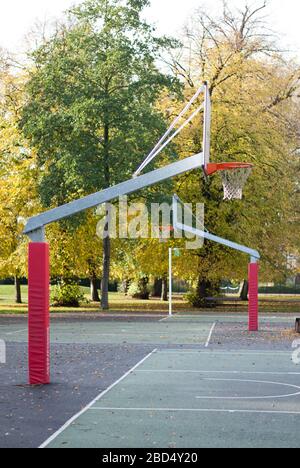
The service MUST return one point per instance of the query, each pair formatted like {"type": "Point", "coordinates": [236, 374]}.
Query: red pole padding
{"type": "Point", "coordinates": [38, 314]}
{"type": "Point", "coordinates": [253, 296]}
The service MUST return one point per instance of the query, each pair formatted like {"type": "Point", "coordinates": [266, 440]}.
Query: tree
{"type": "Point", "coordinates": [91, 98]}
{"type": "Point", "coordinates": [18, 175]}
{"type": "Point", "coordinates": [138, 261]}
{"type": "Point", "coordinates": [76, 252]}
{"type": "Point", "coordinates": [15, 197]}
{"type": "Point", "coordinates": [255, 119]}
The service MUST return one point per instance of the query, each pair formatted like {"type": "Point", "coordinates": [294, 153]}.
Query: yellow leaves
{"type": "Point", "coordinates": [17, 202]}
{"type": "Point", "coordinates": [253, 120]}
{"type": "Point", "coordinates": [18, 178]}
{"type": "Point", "coordinates": [75, 251]}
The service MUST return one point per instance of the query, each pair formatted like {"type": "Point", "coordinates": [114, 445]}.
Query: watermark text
{"type": "Point", "coordinates": [2, 352]}
{"type": "Point", "coordinates": [155, 221]}
{"type": "Point", "coordinates": [296, 353]}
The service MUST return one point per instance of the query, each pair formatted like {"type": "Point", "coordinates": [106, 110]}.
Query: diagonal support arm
{"type": "Point", "coordinates": [254, 254]}
{"type": "Point", "coordinates": [36, 224]}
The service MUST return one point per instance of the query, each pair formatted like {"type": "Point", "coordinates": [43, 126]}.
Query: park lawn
{"type": "Point", "coordinates": [119, 303]}
{"type": "Point", "coordinates": [7, 293]}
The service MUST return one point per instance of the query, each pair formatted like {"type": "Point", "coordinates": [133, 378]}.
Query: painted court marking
{"type": "Point", "coordinates": [123, 332]}
{"type": "Point", "coordinates": [237, 316]}
{"type": "Point", "coordinates": [16, 332]}
{"type": "Point", "coordinates": [183, 371]}
{"type": "Point", "coordinates": [93, 407]}
{"type": "Point", "coordinates": [210, 335]}
{"type": "Point", "coordinates": [197, 410]}
{"type": "Point", "coordinates": [261, 397]}
{"type": "Point", "coordinates": [88, 407]}
{"type": "Point", "coordinates": [224, 353]}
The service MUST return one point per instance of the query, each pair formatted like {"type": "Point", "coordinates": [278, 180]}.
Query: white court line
{"type": "Point", "coordinates": [239, 316]}
{"type": "Point", "coordinates": [227, 320]}
{"type": "Point", "coordinates": [198, 410]}
{"type": "Point", "coordinates": [122, 333]}
{"type": "Point", "coordinates": [15, 332]}
{"type": "Point", "coordinates": [266, 397]}
{"type": "Point", "coordinates": [210, 335]}
{"type": "Point", "coordinates": [88, 407]}
{"type": "Point", "coordinates": [231, 353]}
{"type": "Point", "coordinates": [183, 371]}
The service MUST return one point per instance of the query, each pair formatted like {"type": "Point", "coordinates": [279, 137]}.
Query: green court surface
{"type": "Point", "coordinates": [207, 383]}
{"type": "Point", "coordinates": [230, 318]}
{"type": "Point", "coordinates": [193, 398]}
{"type": "Point", "coordinates": [176, 330]}
{"type": "Point", "coordinates": [116, 332]}
{"type": "Point", "coordinates": [179, 329]}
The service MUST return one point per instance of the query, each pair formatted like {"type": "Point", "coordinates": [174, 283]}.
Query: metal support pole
{"type": "Point", "coordinates": [170, 282]}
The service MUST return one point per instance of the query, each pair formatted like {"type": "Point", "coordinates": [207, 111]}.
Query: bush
{"type": "Point", "coordinates": [200, 302]}
{"type": "Point", "coordinates": [139, 289]}
{"type": "Point", "coordinates": [204, 295]}
{"type": "Point", "coordinates": [67, 295]}
{"type": "Point", "coordinates": [123, 287]}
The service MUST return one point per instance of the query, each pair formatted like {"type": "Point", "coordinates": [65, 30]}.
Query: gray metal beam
{"type": "Point", "coordinates": [254, 254]}
{"type": "Point", "coordinates": [38, 235]}
{"type": "Point", "coordinates": [125, 188]}
{"type": "Point", "coordinates": [233, 245]}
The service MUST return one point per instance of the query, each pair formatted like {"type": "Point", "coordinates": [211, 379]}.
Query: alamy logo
{"type": "Point", "coordinates": [296, 353]}
{"type": "Point", "coordinates": [140, 221]}
{"type": "Point", "coordinates": [2, 352]}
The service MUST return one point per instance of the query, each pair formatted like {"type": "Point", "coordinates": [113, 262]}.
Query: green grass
{"type": "Point", "coordinates": [118, 303]}
{"type": "Point", "coordinates": [7, 293]}
{"type": "Point", "coordinates": [122, 304]}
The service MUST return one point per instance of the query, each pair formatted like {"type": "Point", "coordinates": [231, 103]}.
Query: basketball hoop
{"type": "Point", "coordinates": [234, 177]}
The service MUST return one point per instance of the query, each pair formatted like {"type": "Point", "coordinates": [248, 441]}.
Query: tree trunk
{"type": "Point", "coordinates": [143, 287]}
{"type": "Point", "coordinates": [105, 275]}
{"type": "Point", "coordinates": [164, 292]}
{"type": "Point", "coordinates": [203, 289]}
{"type": "Point", "coordinates": [157, 287]}
{"type": "Point", "coordinates": [18, 294]}
{"type": "Point", "coordinates": [245, 291]}
{"type": "Point", "coordinates": [94, 289]}
{"type": "Point", "coordinates": [125, 286]}
{"type": "Point", "coordinates": [106, 265]}
{"type": "Point", "coordinates": [106, 240]}
{"type": "Point", "coordinates": [204, 294]}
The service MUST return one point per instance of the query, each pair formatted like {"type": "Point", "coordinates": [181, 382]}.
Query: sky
{"type": "Point", "coordinates": [17, 17]}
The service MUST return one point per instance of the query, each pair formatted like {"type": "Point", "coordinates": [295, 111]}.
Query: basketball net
{"type": "Point", "coordinates": [234, 181]}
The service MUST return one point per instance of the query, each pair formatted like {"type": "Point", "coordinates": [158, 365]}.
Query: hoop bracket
{"type": "Point", "coordinates": [212, 168]}
{"type": "Point", "coordinates": [234, 177]}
